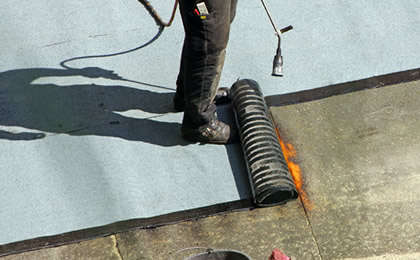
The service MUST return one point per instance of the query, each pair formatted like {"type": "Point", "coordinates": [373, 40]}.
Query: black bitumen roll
{"type": "Point", "coordinates": [270, 178]}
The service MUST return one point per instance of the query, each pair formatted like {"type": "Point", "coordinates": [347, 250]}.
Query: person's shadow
{"type": "Point", "coordinates": [85, 109]}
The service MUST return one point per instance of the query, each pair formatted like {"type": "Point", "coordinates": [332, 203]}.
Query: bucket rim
{"type": "Point", "coordinates": [219, 251]}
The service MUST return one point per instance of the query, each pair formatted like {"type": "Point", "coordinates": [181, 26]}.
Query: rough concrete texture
{"type": "Point", "coordinates": [255, 233]}
{"type": "Point", "coordinates": [101, 248]}
{"type": "Point", "coordinates": [359, 157]}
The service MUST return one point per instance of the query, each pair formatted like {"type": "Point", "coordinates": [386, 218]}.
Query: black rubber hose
{"type": "Point", "coordinates": [156, 16]}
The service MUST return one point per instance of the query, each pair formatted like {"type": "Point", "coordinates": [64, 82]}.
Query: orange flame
{"type": "Point", "coordinates": [289, 153]}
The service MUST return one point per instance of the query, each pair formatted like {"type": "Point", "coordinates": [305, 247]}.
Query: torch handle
{"type": "Point", "coordinates": [286, 29]}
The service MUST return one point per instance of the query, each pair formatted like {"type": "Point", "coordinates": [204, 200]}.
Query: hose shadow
{"type": "Point", "coordinates": [84, 109]}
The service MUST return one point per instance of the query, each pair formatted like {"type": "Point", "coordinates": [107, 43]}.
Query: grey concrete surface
{"type": "Point", "coordinates": [255, 233]}
{"type": "Point", "coordinates": [102, 248]}
{"type": "Point", "coordinates": [359, 157]}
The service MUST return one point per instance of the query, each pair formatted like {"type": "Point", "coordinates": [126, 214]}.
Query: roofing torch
{"type": "Point", "coordinates": [278, 59]}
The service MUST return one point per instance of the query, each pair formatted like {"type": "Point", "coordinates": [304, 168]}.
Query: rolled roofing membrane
{"type": "Point", "coordinates": [271, 181]}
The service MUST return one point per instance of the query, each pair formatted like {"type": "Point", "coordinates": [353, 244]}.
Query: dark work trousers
{"type": "Point", "coordinates": [203, 55]}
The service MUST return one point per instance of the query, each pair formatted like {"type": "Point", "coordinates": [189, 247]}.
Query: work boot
{"type": "Point", "coordinates": [216, 132]}
{"type": "Point", "coordinates": [222, 97]}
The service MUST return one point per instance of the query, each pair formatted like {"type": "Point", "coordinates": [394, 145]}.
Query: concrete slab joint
{"type": "Point", "coordinates": [116, 247]}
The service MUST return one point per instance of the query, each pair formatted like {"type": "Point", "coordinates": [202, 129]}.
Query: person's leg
{"type": "Point", "coordinates": [202, 58]}
{"type": "Point", "coordinates": [179, 98]}
{"type": "Point", "coordinates": [222, 95]}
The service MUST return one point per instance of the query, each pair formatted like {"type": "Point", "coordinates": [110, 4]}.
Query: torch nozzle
{"type": "Point", "coordinates": [277, 66]}
{"type": "Point", "coordinates": [278, 59]}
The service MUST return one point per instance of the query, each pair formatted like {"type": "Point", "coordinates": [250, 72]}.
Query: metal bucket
{"type": "Point", "coordinates": [223, 254]}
